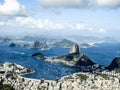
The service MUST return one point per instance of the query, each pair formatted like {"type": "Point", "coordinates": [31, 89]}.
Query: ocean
{"type": "Point", "coordinates": [102, 53]}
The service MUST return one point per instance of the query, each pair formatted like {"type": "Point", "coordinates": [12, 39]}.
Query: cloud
{"type": "Point", "coordinates": [49, 26]}
{"type": "Point", "coordinates": [81, 3]}
{"type": "Point", "coordinates": [66, 3]}
{"type": "Point", "coordinates": [102, 30]}
{"type": "Point", "coordinates": [12, 8]}
{"type": "Point", "coordinates": [109, 3]}
{"type": "Point", "coordinates": [32, 26]}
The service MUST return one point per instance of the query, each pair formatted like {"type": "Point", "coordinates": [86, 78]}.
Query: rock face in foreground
{"type": "Point", "coordinates": [74, 49]}
{"type": "Point", "coordinates": [115, 65]}
{"type": "Point", "coordinates": [77, 81]}
{"type": "Point", "coordinates": [17, 69]}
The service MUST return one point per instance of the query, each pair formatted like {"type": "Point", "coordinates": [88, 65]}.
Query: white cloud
{"type": "Point", "coordinates": [29, 25]}
{"type": "Point", "coordinates": [12, 8]}
{"type": "Point", "coordinates": [80, 26]}
{"type": "Point", "coordinates": [47, 25]}
{"type": "Point", "coordinates": [102, 30]}
{"type": "Point", "coordinates": [2, 23]}
{"type": "Point", "coordinates": [66, 3]}
{"type": "Point", "coordinates": [109, 3]}
{"type": "Point", "coordinates": [81, 3]}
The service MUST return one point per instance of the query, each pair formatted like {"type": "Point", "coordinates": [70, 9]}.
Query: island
{"type": "Point", "coordinates": [38, 56]}
{"type": "Point", "coordinates": [74, 58]}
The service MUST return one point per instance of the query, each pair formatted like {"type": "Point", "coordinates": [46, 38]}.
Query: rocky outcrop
{"type": "Point", "coordinates": [77, 81]}
{"type": "Point", "coordinates": [115, 65]}
{"type": "Point", "coordinates": [15, 68]}
{"type": "Point", "coordinates": [74, 49]}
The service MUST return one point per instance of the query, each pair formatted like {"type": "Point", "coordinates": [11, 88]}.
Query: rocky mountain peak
{"type": "Point", "coordinates": [74, 49]}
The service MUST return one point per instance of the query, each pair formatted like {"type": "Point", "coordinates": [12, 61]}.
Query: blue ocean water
{"type": "Point", "coordinates": [103, 54]}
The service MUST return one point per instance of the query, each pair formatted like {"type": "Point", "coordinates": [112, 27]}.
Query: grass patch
{"type": "Point", "coordinates": [82, 77]}
{"type": "Point", "coordinates": [70, 77]}
{"type": "Point", "coordinates": [105, 76]}
{"type": "Point", "coordinates": [117, 70]}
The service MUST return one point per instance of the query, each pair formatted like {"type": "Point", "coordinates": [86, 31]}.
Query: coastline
{"type": "Point", "coordinates": [75, 81]}
{"type": "Point", "coordinates": [27, 73]}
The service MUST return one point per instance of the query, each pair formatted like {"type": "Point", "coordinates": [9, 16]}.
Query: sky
{"type": "Point", "coordinates": [61, 18]}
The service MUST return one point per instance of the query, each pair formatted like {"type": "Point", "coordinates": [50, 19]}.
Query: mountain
{"type": "Point", "coordinates": [41, 45]}
{"type": "Point", "coordinates": [64, 43]}
{"type": "Point", "coordinates": [74, 58]}
{"type": "Point", "coordinates": [37, 42]}
{"type": "Point", "coordinates": [84, 45]}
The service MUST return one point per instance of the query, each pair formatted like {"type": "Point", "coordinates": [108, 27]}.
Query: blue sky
{"type": "Point", "coordinates": [60, 17]}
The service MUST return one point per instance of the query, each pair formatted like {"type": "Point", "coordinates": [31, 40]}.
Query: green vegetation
{"type": "Point", "coordinates": [70, 57]}
{"type": "Point", "coordinates": [1, 65]}
{"type": "Point", "coordinates": [6, 87]}
{"type": "Point", "coordinates": [85, 57]}
{"type": "Point", "coordinates": [105, 76]}
{"type": "Point", "coordinates": [70, 77]}
{"type": "Point", "coordinates": [82, 77]}
{"type": "Point", "coordinates": [117, 70]}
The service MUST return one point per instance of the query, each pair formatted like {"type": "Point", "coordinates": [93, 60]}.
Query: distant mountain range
{"type": "Point", "coordinates": [92, 39]}
{"type": "Point", "coordinates": [45, 43]}
{"type": "Point", "coordinates": [33, 42]}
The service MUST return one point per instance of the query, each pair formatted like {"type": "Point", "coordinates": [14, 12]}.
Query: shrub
{"type": "Point", "coordinates": [82, 77]}
{"type": "Point", "coordinates": [105, 76]}
{"type": "Point", "coordinates": [6, 87]}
